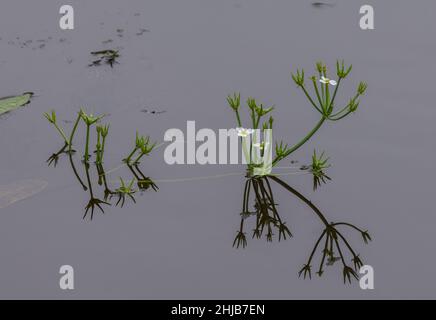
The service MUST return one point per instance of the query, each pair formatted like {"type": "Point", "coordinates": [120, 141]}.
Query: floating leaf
{"type": "Point", "coordinates": [11, 103]}
{"type": "Point", "coordinates": [20, 190]}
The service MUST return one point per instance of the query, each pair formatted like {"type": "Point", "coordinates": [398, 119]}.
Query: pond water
{"type": "Point", "coordinates": [183, 58]}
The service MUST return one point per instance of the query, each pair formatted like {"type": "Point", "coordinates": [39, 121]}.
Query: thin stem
{"type": "Point", "coordinates": [317, 94]}
{"type": "Point", "coordinates": [346, 243]}
{"type": "Point", "coordinates": [98, 147]}
{"type": "Point", "coordinates": [341, 117]}
{"type": "Point", "coordinates": [310, 99]}
{"type": "Point", "coordinates": [133, 172]}
{"type": "Point", "coordinates": [87, 143]}
{"type": "Point", "coordinates": [324, 254]}
{"type": "Point", "coordinates": [248, 196]}
{"type": "Point", "coordinates": [89, 180]}
{"type": "Point", "coordinates": [270, 199]}
{"type": "Point", "coordinates": [327, 98]}
{"type": "Point", "coordinates": [339, 250]}
{"type": "Point", "coordinates": [61, 132]}
{"type": "Point", "coordinates": [346, 107]}
{"type": "Point", "coordinates": [73, 132]}
{"type": "Point", "coordinates": [301, 197]}
{"type": "Point", "coordinates": [330, 107]}
{"type": "Point", "coordinates": [347, 224]}
{"type": "Point", "coordinates": [76, 173]}
{"type": "Point", "coordinates": [316, 246]}
{"type": "Point", "coordinates": [245, 196]}
{"type": "Point", "coordinates": [238, 118]}
{"type": "Point", "coordinates": [102, 148]}
{"type": "Point", "coordinates": [130, 155]}
{"type": "Point", "coordinates": [303, 141]}
{"type": "Point", "coordinates": [102, 175]}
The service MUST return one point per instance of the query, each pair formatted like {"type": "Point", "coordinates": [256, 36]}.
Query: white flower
{"type": "Point", "coordinates": [327, 81]}
{"type": "Point", "coordinates": [242, 132]}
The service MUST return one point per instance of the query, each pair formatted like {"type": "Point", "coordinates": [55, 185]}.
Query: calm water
{"type": "Point", "coordinates": [177, 243]}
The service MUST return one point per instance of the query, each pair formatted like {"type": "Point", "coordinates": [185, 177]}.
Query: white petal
{"type": "Point", "coordinates": [333, 82]}
{"type": "Point", "coordinates": [323, 81]}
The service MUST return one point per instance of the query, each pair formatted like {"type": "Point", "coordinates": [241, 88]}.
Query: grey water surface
{"type": "Point", "coordinates": [184, 57]}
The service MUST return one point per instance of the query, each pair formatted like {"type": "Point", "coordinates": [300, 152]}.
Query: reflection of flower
{"type": "Point", "coordinates": [242, 132]}
{"type": "Point", "coordinates": [327, 81]}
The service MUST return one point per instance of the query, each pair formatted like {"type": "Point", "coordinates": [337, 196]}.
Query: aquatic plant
{"type": "Point", "coordinates": [319, 164]}
{"type": "Point", "coordinates": [51, 117]}
{"type": "Point", "coordinates": [102, 132]}
{"type": "Point", "coordinates": [93, 201]}
{"type": "Point", "coordinates": [89, 120]}
{"type": "Point", "coordinates": [267, 218]}
{"type": "Point", "coordinates": [143, 146]}
{"type": "Point", "coordinates": [125, 190]}
{"type": "Point", "coordinates": [106, 56]}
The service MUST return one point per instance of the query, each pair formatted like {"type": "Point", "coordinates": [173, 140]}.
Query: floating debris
{"type": "Point", "coordinates": [8, 104]}
{"type": "Point", "coordinates": [20, 190]}
{"type": "Point", "coordinates": [322, 4]}
{"type": "Point", "coordinates": [106, 56]}
{"type": "Point", "coordinates": [153, 111]}
{"type": "Point", "coordinates": [120, 32]}
{"type": "Point", "coordinates": [142, 31]}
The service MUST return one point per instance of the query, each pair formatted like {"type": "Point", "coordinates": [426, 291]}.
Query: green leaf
{"type": "Point", "coordinates": [11, 103]}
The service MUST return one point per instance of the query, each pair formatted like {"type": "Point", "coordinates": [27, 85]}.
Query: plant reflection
{"type": "Point", "coordinates": [331, 245]}
{"type": "Point", "coordinates": [117, 195]}
{"type": "Point", "coordinates": [268, 222]}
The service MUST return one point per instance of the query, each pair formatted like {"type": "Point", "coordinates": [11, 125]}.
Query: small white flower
{"type": "Point", "coordinates": [242, 132]}
{"type": "Point", "coordinates": [327, 81]}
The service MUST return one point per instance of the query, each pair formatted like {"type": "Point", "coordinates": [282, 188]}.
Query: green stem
{"type": "Point", "coordinates": [330, 108]}
{"type": "Point", "coordinates": [130, 155]}
{"type": "Point", "coordinates": [102, 148]}
{"type": "Point", "coordinates": [139, 157]}
{"type": "Point", "coordinates": [341, 117]}
{"type": "Point", "coordinates": [70, 144]}
{"type": "Point", "coordinates": [61, 132]}
{"type": "Point", "coordinates": [238, 118]}
{"type": "Point", "coordinates": [311, 100]}
{"type": "Point", "coordinates": [317, 94]}
{"type": "Point", "coordinates": [98, 148]}
{"type": "Point", "coordinates": [87, 143]}
{"type": "Point", "coordinates": [303, 141]}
